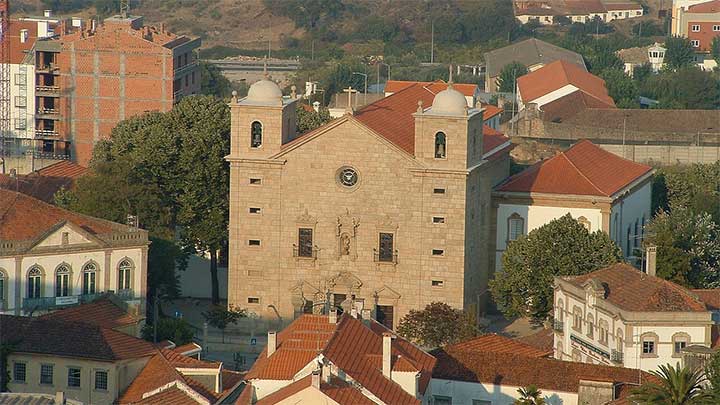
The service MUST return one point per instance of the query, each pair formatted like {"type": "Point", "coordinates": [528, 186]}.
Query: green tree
{"type": "Point", "coordinates": [530, 395]}
{"type": "Point", "coordinates": [509, 74]}
{"type": "Point", "coordinates": [309, 120]}
{"type": "Point", "coordinates": [436, 325]}
{"type": "Point", "coordinates": [212, 81]}
{"type": "Point", "coordinates": [684, 88]}
{"type": "Point", "coordinates": [712, 373]}
{"type": "Point", "coordinates": [621, 87]}
{"type": "Point", "coordinates": [178, 330]}
{"type": "Point", "coordinates": [715, 49]}
{"type": "Point", "coordinates": [675, 386]}
{"type": "Point", "coordinates": [203, 212]}
{"type": "Point", "coordinates": [688, 246]}
{"type": "Point", "coordinates": [562, 247]}
{"type": "Point", "coordinates": [679, 53]}
{"type": "Point", "coordinates": [220, 317]}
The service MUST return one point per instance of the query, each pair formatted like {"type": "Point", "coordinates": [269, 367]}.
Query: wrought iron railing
{"type": "Point", "coordinates": [384, 257]}
{"type": "Point", "coordinates": [616, 356]}
{"type": "Point", "coordinates": [305, 252]}
{"type": "Point", "coordinates": [558, 325]}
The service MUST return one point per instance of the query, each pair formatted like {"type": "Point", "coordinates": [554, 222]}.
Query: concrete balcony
{"type": "Point", "coordinates": [49, 68]}
{"type": "Point", "coordinates": [50, 303]}
{"type": "Point", "coordinates": [46, 133]}
{"type": "Point", "coordinates": [48, 113]}
{"type": "Point", "coordinates": [183, 70]}
{"type": "Point", "coordinates": [47, 91]}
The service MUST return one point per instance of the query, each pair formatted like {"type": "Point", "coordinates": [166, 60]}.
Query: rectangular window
{"type": "Point", "coordinates": [255, 210]}
{"type": "Point", "coordinates": [679, 345]}
{"type": "Point", "coordinates": [696, 28]}
{"type": "Point", "coordinates": [516, 228]}
{"type": "Point", "coordinates": [73, 377]}
{"type": "Point", "coordinates": [46, 374]}
{"type": "Point", "coordinates": [695, 43]}
{"type": "Point", "coordinates": [305, 242]}
{"type": "Point", "coordinates": [253, 300]}
{"type": "Point", "coordinates": [438, 191]}
{"type": "Point", "coordinates": [481, 402]}
{"type": "Point", "coordinates": [187, 81]}
{"type": "Point", "coordinates": [308, 307]}
{"type": "Point", "coordinates": [441, 400]}
{"type": "Point", "coordinates": [193, 78]}
{"type": "Point", "coordinates": [438, 252]}
{"type": "Point", "coordinates": [20, 79]}
{"type": "Point", "coordinates": [101, 380]}
{"type": "Point", "coordinates": [20, 101]}
{"type": "Point", "coordinates": [437, 283]}
{"type": "Point", "coordinates": [19, 372]}
{"type": "Point", "coordinates": [386, 250]}
{"type": "Point", "coordinates": [2, 289]}
{"type": "Point", "coordinates": [716, 28]}
{"type": "Point", "coordinates": [255, 181]}
{"type": "Point", "coordinates": [20, 124]}
{"type": "Point", "coordinates": [254, 242]}
{"type": "Point", "coordinates": [385, 315]}
{"type": "Point", "coordinates": [438, 220]}
{"type": "Point", "coordinates": [648, 346]}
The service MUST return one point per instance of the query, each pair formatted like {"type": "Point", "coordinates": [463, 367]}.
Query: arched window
{"type": "Point", "coordinates": [89, 279]}
{"type": "Point", "coordinates": [3, 277]}
{"type": "Point", "coordinates": [577, 319]}
{"type": "Point", "coordinates": [680, 341]}
{"type": "Point", "coordinates": [590, 326]}
{"type": "Point", "coordinates": [516, 226]}
{"type": "Point", "coordinates": [34, 282]}
{"type": "Point", "coordinates": [440, 145]}
{"type": "Point", "coordinates": [628, 251]}
{"type": "Point", "coordinates": [256, 134]}
{"type": "Point", "coordinates": [603, 331]}
{"type": "Point", "coordinates": [636, 237]}
{"type": "Point", "coordinates": [62, 281]}
{"type": "Point", "coordinates": [124, 269]}
{"type": "Point", "coordinates": [649, 343]}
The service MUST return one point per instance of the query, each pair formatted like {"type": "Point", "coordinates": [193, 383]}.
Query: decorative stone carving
{"type": "Point", "coordinates": [345, 281]}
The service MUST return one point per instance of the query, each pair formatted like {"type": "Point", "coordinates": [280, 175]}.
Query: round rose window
{"type": "Point", "coordinates": [348, 177]}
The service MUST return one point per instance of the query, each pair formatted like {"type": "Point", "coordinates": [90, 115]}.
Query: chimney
{"type": "Point", "coordinates": [651, 260]}
{"type": "Point", "coordinates": [47, 13]}
{"type": "Point", "coordinates": [272, 342]}
{"type": "Point", "coordinates": [332, 317]}
{"type": "Point", "coordinates": [316, 379]}
{"type": "Point", "coordinates": [387, 355]}
{"type": "Point", "coordinates": [59, 398]}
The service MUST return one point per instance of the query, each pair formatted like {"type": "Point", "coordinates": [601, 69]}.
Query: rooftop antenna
{"type": "Point", "coordinates": [124, 8]}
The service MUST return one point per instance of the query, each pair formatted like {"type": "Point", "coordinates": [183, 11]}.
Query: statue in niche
{"type": "Point", "coordinates": [345, 233]}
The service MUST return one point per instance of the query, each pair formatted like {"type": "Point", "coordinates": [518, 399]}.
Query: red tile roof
{"type": "Point", "coordinates": [568, 106]}
{"type": "Point", "coordinates": [18, 49]}
{"type": "Point", "coordinates": [711, 298]}
{"type": "Point", "coordinates": [499, 344]}
{"type": "Point", "coordinates": [44, 183]}
{"type": "Point", "coordinates": [521, 371]}
{"type": "Point", "coordinates": [584, 169]}
{"type": "Point", "coordinates": [335, 389]}
{"type": "Point", "coordinates": [490, 110]}
{"type": "Point", "coordinates": [349, 344]}
{"type": "Point", "coordinates": [71, 339]}
{"type": "Point", "coordinates": [542, 340]}
{"type": "Point", "coordinates": [180, 361]}
{"type": "Point", "coordinates": [174, 396]}
{"type": "Point", "coordinates": [394, 86]}
{"type": "Point", "coordinates": [558, 74]}
{"type": "Point", "coordinates": [392, 117]}
{"type": "Point", "coordinates": [101, 312]}
{"type": "Point", "coordinates": [632, 290]}
{"type": "Point", "coordinates": [187, 348]}
{"type": "Point", "coordinates": [25, 218]}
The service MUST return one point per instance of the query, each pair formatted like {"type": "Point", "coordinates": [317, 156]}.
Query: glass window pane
{"type": "Point", "coordinates": [46, 374]}
{"type": "Point", "coordinates": [305, 242]}
{"type": "Point", "coordinates": [386, 247]}
{"type": "Point", "coordinates": [73, 377]}
{"type": "Point", "coordinates": [101, 380]}
{"type": "Point", "coordinates": [19, 372]}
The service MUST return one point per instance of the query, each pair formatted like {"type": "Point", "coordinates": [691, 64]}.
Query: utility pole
{"type": "Point", "coordinates": [432, 42]}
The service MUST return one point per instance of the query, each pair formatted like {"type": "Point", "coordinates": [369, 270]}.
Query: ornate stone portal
{"type": "Point", "coordinates": [346, 236]}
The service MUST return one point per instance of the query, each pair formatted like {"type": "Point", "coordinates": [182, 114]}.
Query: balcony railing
{"type": "Point", "coordinates": [616, 356]}
{"type": "Point", "coordinates": [46, 132]}
{"type": "Point", "coordinates": [384, 257]}
{"type": "Point", "coordinates": [47, 303]}
{"type": "Point", "coordinates": [48, 113]}
{"type": "Point", "coordinates": [47, 89]}
{"type": "Point", "coordinates": [558, 326]}
{"type": "Point", "coordinates": [49, 68]}
{"type": "Point", "coordinates": [179, 72]}
{"type": "Point", "coordinates": [298, 253]}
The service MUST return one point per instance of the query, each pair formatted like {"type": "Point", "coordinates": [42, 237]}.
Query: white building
{"type": "Point", "coordinates": [50, 257]}
{"type": "Point", "coordinates": [653, 55]}
{"type": "Point", "coordinates": [624, 317]}
{"type": "Point", "coordinates": [601, 190]}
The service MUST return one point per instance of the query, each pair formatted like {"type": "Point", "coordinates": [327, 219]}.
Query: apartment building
{"type": "Point", "coordinates": [701, 24]}
{"type": "Point", "coordinates": [51, 258]}
{"type": "Point", "coordinates": [622, 316]}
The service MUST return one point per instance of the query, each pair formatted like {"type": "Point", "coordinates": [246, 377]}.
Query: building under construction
{"type": "Point", "coordinates": [74, 80]}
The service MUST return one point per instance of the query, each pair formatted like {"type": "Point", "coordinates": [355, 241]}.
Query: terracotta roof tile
{"type": "Point", "coordinates": [102, 312]}
{"type": "Point", "coordinates": [26, 218]}
{"type": "Point", "coordinates": [187, 348]}
{"type": "Point", "coordinates": [343, 393]}
{"type": "Point", "coordinates": [711, 298]}
{"type": "Point", "coordinates": [530, 52]}
{"type": "Point", "coordinates": [558, 74]}
{"type": "Point", "coordinates": [490, 110]}
{"type": "Point", "coordinates": [72, 339]}
{"type": "Point", "coordinates": [174, 396]}
{"type": "Point", "coordinates": [286, 391]}
{"type": "Point", "coordinates": [632, 290]}
{"type": "Point", "coordinates": [542, 340]}
{"type": "Point", "coordinates": [706, 7]}
{"type": "Point", "coordinates": [44, 183]}
{"type": "Point", "coordinates": [568, 106]}
{"type": "Point", "coordinates": [499, 344]}
{"type": "Point", "coordinates": [514, 370]}
{"type": "Point", "coordinates": [180, 361]}
{"type": "Point", "coordinates": [394, 86]}
{"type": "Point", "coordinates": [584, 169]}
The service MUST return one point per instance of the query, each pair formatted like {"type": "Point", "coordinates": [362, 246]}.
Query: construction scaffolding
{"type": "Point", "coordinates": [4, 78]}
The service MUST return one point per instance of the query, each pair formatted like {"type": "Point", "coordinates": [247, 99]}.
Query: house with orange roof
{"type": "Point", "coordinates": [402, 189]}
{"type": "Point", "coordinates": [44, 182]}
{"type": "Point", "coordinates": [346, 359]}
{"type": "Point", "coordinates": [603, 191]}
{"type": "Point", "coordinates": [622, 316]}
{"type": "Point", "coordinates": [557, 80]}
{"type": "Point", "coordinates": [492, 374]}
{"type": "Point", "coordinates": [52, 258]}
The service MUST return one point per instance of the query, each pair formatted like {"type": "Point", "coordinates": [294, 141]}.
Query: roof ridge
{"type": "Point", "coordinates": [582, 174]}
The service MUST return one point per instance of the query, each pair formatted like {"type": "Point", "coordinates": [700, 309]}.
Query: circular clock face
{"type": "Point", "coordinates": [348, 177]}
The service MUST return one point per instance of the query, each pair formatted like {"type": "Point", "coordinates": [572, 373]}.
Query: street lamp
{"type": "Point", "coordinates": [366, 78]}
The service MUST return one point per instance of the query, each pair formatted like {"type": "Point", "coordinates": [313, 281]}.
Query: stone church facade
{"type": "Point", "coordinates": [383, 210]}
